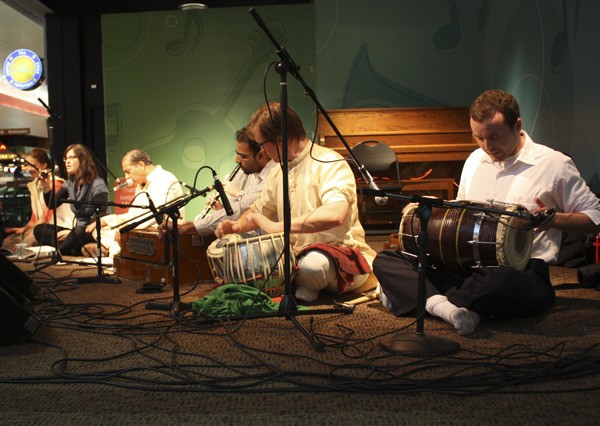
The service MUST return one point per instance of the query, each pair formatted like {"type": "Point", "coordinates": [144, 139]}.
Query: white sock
{"type": "Point", "coordinates": [463, 320]}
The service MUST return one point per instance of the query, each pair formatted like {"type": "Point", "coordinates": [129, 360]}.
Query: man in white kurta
{"type": "Point", "coordinates": [150, 180]}
{"type": "Point", "coordinates": [325, 230]}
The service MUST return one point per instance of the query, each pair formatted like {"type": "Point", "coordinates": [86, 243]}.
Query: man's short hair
{"type": "Point", "coordinates": [492, 101]}
{"type": "Point", "coordinates": [267, 121]}
{"type": "Point", "coordinates": [242, 136]}
{"type": "Point", "coordinates": [136, 155]}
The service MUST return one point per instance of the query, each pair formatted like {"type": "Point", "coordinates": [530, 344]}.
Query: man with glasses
{"type": "Point", "coordinates": [326, 234]}
{"type": "Point", "coordinates": [241, 190]}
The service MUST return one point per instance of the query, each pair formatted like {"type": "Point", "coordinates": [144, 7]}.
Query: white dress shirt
{"type": "Point", "coordinates": [536, 171]}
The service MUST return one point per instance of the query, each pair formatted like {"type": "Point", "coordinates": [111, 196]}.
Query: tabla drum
{"type": "Point", "coordinates": [215, 253]}
{"type": "Point", "coordinates": [461, 239]}
{"type": "Point", "coordinates": [258, 262]}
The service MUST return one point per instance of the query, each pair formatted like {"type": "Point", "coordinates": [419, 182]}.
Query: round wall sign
{"type": "Point", "coordinates": [23, 69]}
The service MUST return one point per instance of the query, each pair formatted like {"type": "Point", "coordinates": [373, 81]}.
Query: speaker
{"type": "Point", "coordinates": [18, 319]}
{"type": "Point", "coordinates": [17, 279]}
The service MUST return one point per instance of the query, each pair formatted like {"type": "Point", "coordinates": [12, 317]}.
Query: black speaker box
{"type": "Point", "coordinates": [17, 315]}
{"type": "Point", "coordinates": [17, 279]}
{"type": "Point", "coordinates": [18, 319]}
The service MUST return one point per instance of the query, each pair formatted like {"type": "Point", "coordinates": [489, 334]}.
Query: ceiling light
{"type": "Point", "coordinates": [192, 6]}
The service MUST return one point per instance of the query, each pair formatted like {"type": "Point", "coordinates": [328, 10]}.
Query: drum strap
{"type": "Point", "coordinates": [349, 261]}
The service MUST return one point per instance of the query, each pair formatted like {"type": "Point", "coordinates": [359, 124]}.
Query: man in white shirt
{"type": "Point", "coordinates": [151, 181]}
{"type": "Point", "coordinates": [508, 167]}
{"type": "Point", "coordinates": [326, 235]}
{"type": "Point", "coordinates": [241, 191]}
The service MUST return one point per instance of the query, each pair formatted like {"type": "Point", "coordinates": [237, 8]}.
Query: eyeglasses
{"type": "Point", "coordinates": [70, 157]}
{"type": "Point", "coordinates": [262, 143]}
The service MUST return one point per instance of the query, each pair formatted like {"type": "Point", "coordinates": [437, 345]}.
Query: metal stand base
{"type": "Point", "coordinates": [98, 279]}
{"type": "Point", "coordinates": [419, 345]}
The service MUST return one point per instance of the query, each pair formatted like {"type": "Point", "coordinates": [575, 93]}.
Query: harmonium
{"type": "Point", "coordinates": [145, 257]}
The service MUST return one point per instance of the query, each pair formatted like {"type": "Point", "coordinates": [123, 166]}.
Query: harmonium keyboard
{"type": "Point", "coordinates": [145, 257]}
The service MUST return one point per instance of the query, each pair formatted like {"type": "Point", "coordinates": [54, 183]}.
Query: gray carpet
{"type": "Point", "coordinates": [101, 357]}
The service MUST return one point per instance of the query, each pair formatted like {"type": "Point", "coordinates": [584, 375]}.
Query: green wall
{"type": "Point", "coordinates": [179, 84]}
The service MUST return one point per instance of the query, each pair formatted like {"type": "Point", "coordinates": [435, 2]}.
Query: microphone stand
{"type": "Point", "coordinates": [100, 277]}
{"type": "Point", "coordinates": [288, 307]}
{"type": "Point", "coordinates": [171, 209]}
{"type": "Point", "coordinates": [421, 344]}
{"type": "Point", "coordinates": [56, 256]}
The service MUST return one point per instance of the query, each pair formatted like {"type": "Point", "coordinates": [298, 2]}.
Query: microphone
{"type": "Point", "coordinates": [46, 106]}
{"type": "Point", "coordinates": [189, 187]}
{"type": "Point", "coordinates": [372, 185]}
{"type": "Point", "coordinates": [159, 217]}
{"type": "Point", "coordinates": [224, 200]}
{"type": "Point", "coordinates": [123, 184]}
{"type": "Point", "coordinates": [379, 200]}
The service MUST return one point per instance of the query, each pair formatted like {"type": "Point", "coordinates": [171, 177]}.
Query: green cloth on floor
{"type": "Point", "coordinates": [234, 299]}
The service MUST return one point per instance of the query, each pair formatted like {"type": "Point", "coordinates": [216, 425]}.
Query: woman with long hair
{"type": "Point", "coordinates": [89, 194]}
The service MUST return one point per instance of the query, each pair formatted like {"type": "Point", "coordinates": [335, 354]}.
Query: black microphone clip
{"type": "Point", "coordinates": [158, 217]}
{"type": "Point", "coordinates": [224, 200]}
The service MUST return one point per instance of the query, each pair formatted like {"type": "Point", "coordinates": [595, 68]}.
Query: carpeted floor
{"type": "Point", "coordinates": [101, 357]}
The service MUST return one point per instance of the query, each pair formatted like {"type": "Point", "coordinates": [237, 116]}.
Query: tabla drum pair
{"type": "Point", "coordinates": [256, 261]}
{"type": "Point", "coordinates": [461, 239]}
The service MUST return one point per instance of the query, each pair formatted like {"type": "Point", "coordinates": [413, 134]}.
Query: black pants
{"type": "Point", "coordinates": [46, 233]}
{"type": "Point", "coordinates": [500, 292]}
{"type": "Point", "coordinates": [71, 245]}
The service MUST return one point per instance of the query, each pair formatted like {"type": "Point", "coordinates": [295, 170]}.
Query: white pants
{"type": "Point", "coordinates": [317, 272]}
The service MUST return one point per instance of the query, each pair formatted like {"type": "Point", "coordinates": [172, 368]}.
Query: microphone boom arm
{"type": "Point", "coordinates": [294, 69]}
{"type": "Point", "coordinates": [170, 209]}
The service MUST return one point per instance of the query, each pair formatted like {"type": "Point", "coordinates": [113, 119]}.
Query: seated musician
{"type": "Point", "coordinates": [509, 167]}
{"type": "Point", "coordinates": [152, 181]}
{"type": "Point", "coordinates": [85, 186]}
{"type": "Point", "coordinates": [37, 164]}
{"type": "Point", "coordinates": [325, 230]}
{"type": "Point", "coordinates": [241, 190]}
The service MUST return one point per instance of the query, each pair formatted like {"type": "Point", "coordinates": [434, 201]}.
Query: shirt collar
{"type": "Point", "coordinates": [150, 175]}
{"type": "Point", "coordinates": [300, 156]}
{"type": "Point", "coordinates": [525, 156]}
{"type": "Point", "coordinates": [265, 171]}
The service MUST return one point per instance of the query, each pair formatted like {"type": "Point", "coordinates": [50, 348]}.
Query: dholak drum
{"type": "Point", "coordinates": [256, 261]}
{"type": "Point", "coordinates": [463, 239]}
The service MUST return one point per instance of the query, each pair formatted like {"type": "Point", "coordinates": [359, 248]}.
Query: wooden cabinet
{"type": "Point", "coordinates": [431, 145]}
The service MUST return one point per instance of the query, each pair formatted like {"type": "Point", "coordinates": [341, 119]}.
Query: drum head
{"type": "Point", "coordinates": [514, 243]}
{"type": "Point", "coordinates": [215, 254]}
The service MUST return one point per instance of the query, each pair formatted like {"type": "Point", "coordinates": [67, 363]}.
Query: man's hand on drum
{"type": "Point", "coordinates": [226, 227]}
{"type": "Point", "coordinates": [247, 222]}
{"type": "Point", "coordinates": [542, 207]}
